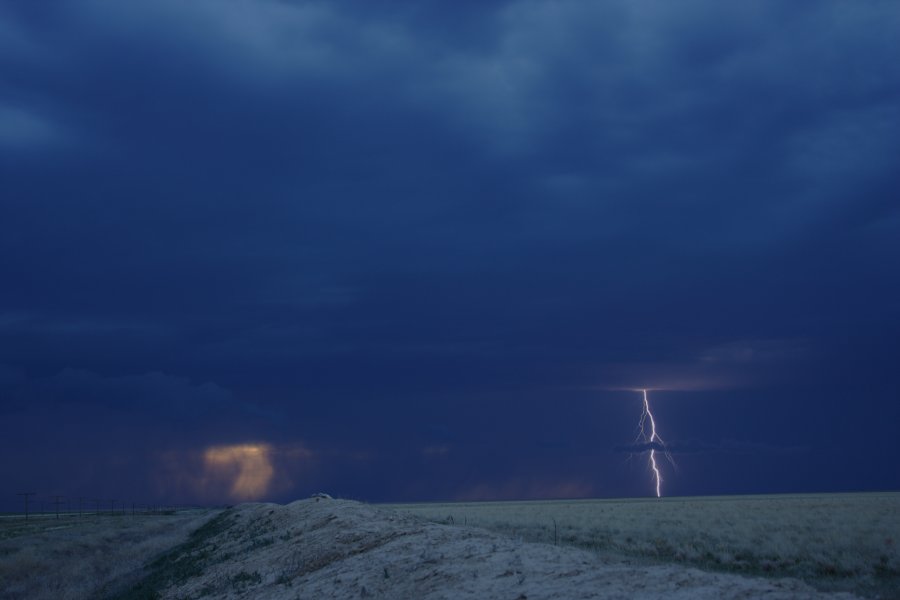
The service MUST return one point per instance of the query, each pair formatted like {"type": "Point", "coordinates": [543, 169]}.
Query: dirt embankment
{"type": "Point", "coordinates": [341, 549]}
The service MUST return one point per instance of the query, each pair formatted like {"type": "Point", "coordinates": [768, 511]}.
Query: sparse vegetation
{"type": "Point", "coordinates": [88, 557]}
{"type": "Point", "coordinates": [243, 579]}
{"type": "Point", "coordinates": [180, 563]}
{"type": "Point", "coordinates": [261, 542]}
{"type": "Point", "coordinates": [833, 541]}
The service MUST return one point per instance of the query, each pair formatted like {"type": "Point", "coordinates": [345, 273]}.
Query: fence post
{"type": "Point", "coordinates": [26, 496]}
{"type": "Point", "coordinates": [56, 501]}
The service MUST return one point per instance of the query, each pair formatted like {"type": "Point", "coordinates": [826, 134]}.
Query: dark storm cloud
{"type": "Point", "coordinates": [361, 217]}
{"type": "Point", "coordinates": [158, 394]}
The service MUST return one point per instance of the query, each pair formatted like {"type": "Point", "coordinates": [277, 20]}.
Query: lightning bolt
{"type": "Point", "coordinates": [653, 440]}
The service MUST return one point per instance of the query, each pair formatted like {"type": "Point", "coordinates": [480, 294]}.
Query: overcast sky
{"type": "Point", "coordinates": [254, 249]}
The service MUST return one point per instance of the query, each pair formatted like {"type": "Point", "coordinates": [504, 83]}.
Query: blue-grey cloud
{"type": "Point", "coordinates": [157, 395]}
{"type": "Point", "coordinates": [224, 151]}
{"type": "Point", "coordinates": [329, 206]}
{"type": "Point", "coordinates": [21, 129]}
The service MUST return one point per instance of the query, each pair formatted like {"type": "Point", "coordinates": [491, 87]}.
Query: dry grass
{"type": "Point", "coordinates": [343, 549]}
{"type": "Point", "coordinates": [836, 542]}
{"type": "Point", "coordinates": [833, 541]}
{"type": "Point", "coordinates": [90, 557]}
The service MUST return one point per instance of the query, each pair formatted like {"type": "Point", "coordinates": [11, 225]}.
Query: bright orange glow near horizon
{"type": "Point", "coordinates": [247, 467]}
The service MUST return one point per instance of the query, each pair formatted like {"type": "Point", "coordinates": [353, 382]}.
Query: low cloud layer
{"type": "Point", "coordinates": [698, 447]}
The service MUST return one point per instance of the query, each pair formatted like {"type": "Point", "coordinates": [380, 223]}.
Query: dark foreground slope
{"type": "Point", "coordinates": [82, 556]}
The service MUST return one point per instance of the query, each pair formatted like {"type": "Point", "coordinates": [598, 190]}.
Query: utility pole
{"type": "Point", "coordinates": [57, 502]}
{"type": "Point", "coordinates": [79, 506]}
{"type": "Point", "coordinates": [112, 510]}
{"type": "Point", "coordinates": [26, 495]}
{"type": "Point", "coordinates": [97, 506]}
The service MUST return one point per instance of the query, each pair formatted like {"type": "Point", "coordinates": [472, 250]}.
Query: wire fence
{"type": "Point", "coordinates": [34, 505]}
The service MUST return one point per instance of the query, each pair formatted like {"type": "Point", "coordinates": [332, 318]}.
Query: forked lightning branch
{"type": "Point", "coordinates": [652, 441]}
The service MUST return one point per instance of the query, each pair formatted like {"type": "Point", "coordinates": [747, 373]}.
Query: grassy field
{"type": "Point", "coordinates": [833, 541]}
{"type": "Point", "coordinates": [84, 557]}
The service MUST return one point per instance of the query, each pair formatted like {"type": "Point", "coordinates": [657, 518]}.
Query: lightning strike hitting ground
{"type": "Point", "coordinates": [653, 440]}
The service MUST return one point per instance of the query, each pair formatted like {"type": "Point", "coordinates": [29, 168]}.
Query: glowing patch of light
{"type": "Point", "coordinates": [247, 468]}
{"type": "Point", "coordinates": [652, 440]}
